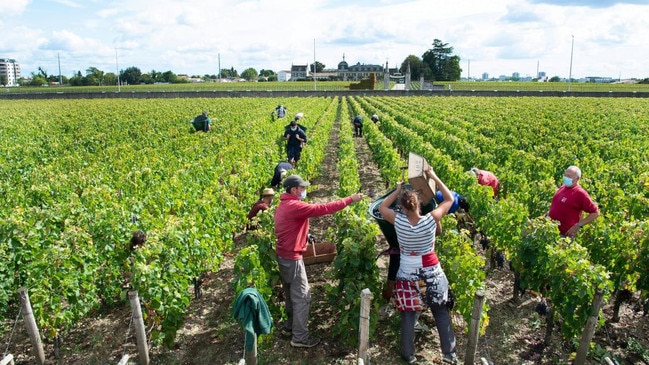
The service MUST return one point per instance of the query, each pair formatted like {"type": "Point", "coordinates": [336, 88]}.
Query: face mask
{"type": "Point", "coordinates": [567, 181]}
{"type": "Point", "coordinates": [303, 195]}
{"type": "Point", "coordinates": [293, 128]}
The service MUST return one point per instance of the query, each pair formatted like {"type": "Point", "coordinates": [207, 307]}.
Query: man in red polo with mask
{"type": "Point", "coordinates": [292, 229]}
{"type": "Point", "coordinates": [569, 203]}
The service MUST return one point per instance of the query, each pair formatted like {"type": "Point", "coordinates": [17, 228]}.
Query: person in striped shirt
{"type": "Point", "coordinates": [420, 281]}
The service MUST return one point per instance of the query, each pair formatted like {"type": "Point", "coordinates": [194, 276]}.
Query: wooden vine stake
{"type": "Point", "coordinates": [364, 325]}
{"type": "Point", "coordinates": [140, 333]}
{"type": "Point", "coordinates": [30, 324]}
{"type": "Point", "coordinates": [474, 327]}
{"type": "Point", "coordinates": [7, 360]}
{"type": "Point", "coordinates": [549, 326]}
{"type": "Point", "coordinates": [589, 330]}
{"type": "Point", "coordinates": [123, 360]}
{"type": "Point", "coordinates": [251, 356]}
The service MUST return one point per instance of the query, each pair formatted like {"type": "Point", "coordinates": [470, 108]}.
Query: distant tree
{"type": "Point", "coordinates": [231, 73]}
{"type": "Point", "coordinates": [417, 67]}
{"type": "Point", "coordinates": [441, 61]}
{"type": "Point", "coordinates": [110, 78]}
{"type": "Point", "coordinates": [249, 74]}
{"type": "Point", "coordinates": [272, 77]}
{"type": "Point", "coordinates": [38, 80]}
{"type": "Point", "coordinates": [4, 80]}
{"type": "Point", "coordinates": [146, 79]}
{"type": "Point", "coordinates": [155, 76]}
{"type": "Point", "coordinates": [555, 79]}
{"type": "Point", "coordinates": [266, 73]}
{"type": "Point", "coordinates": [79, 80]}
{"type": "Point", "coordinates": [130, 76]}
{"type": "Point", "coordinates": [319, 67]}
{"type": "Point", "coordinates": [208, 78]}
{"type": "Point", "coordinates": [42, 73]}
{"type": "Point", "coordinates": [169, 77]}
{"type": "Point", "coordinates": [96, 74]}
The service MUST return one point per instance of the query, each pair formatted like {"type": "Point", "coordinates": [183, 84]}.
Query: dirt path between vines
{"type": "Point", "coordinates": [211, 336]}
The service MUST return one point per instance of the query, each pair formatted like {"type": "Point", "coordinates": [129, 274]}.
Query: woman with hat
{"type": "Point", "coordinates": [262, 204]}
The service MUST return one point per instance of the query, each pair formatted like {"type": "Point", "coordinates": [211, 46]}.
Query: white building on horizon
{"type": "Point", "coordinates": [10, 69]}
{"type": "Point", "coordinates": [284, 75]}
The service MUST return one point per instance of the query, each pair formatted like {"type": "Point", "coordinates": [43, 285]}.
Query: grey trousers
{"type": "Point", "coordinates": [444, 329]}
{"type": "Point", "coordinates": [297, 296]}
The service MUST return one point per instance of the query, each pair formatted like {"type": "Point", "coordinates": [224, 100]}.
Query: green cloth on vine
{"type": "Point", "coordinates": [251, 311]}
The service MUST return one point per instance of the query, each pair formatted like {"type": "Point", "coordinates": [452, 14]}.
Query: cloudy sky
{"type": "Point", "coordinates": [605, 37]}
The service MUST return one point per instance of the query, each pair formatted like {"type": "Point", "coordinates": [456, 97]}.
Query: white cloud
{"type": "Point", "coordinates": [10, 8]}
{"type": "Point", "coordinates": [498, 37]}
{"type": "Point", "coordinates": [69, 3]}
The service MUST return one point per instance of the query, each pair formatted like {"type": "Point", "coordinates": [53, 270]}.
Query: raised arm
{"type": "Point", "coordinates": [446, 204]}
{"type": "Point", "coordinates": [387, 213]}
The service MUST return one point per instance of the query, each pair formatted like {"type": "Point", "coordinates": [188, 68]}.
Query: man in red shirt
{"type": "Point", "coordinates": [569, 203]}
{"type": "Point", "coordinates": [486, 178]}
{"type": "Point", "coordinates": [292, 229]}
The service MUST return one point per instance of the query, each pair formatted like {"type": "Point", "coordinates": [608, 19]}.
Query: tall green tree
{"type": "Point", "coordinates": [130, 76]}
{"type": "Point", "coordinates": [155, 76]}
{"type": "Point", "coordinates": [110, 78]}
{"type": "Point", "coordinates": [231, 73]}
{"type": "Point", "coordinates": [170, 77]}
{"type": "Point", "coordinates": [42, 73]}
{"type": "Point", "coordinates": [443, 64]}
{"type": "Point", "coordinates": [249, 74]}
{"type": "Point", "coordinates": [417, 67]}
{"type": "Point", "coordinates": [319, 67]}
{"type": "Point", "coordinates": [266, 73]}
{"type": "Point", "coordinates": [96, 74]}
{"type": "Point", "coordinates": [38, 80]}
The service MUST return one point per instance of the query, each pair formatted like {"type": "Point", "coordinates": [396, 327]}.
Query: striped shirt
{"type": "Point", "coordinates": [414, 242]}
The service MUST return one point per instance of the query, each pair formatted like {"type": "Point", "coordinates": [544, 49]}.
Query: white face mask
{"type": "Point", "coordinates": [293, 128]}
{"type": "Point", "coordinates": [303, 195]}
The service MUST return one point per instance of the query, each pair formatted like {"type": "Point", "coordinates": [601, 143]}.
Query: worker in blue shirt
{"type": "Point", "coordinates": [459, 202]}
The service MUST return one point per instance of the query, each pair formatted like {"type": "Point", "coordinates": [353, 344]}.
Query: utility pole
{"type": "Point", "coordinates": [315, 87]}
{"type": "Point", "coordinates": [58, 56]}
{"type": "Point", "coordinates": [571, 51]}
{"type": "Point", "coordinates": [119, 86]}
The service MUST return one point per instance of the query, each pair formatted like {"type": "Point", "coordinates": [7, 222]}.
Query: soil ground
{"type": "Point", "coordinates": [210, 335]}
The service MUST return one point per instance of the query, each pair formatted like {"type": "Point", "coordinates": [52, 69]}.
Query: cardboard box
{"type": "Point", "coordinates": [418, 180]}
